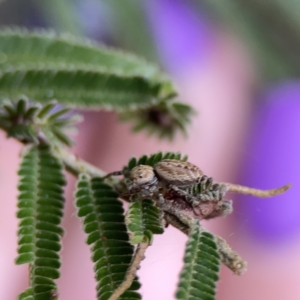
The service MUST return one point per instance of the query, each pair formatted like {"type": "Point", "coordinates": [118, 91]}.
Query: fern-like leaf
{"type": "Point", "coordinates": [142, 220]}
{"type": "Point", "coordinates": [201, 267]}
{"type": "Point", "coordinates": [77, 72]}
{"type": "Point", "coordinates": [152, 159]}
{"type": "Point", "coordinates": [32, 48]}
{"type": "Point", "coordinates": [164, 118]}
{"type": "Point", "coordinates": [26, 295]}
{"type": "Point", "coordinates": [104, 223]}
{"type": "Point", "coordinates": [40, 206]}
{"type": "Point", "coordinates": [77, 87]}
{"type": "Point", "coordinates": [44, 65]}
{"type": "Point", "coordinates": [26, 121]}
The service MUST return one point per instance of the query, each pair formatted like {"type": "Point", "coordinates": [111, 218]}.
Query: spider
{"type": "Point", "coordinates": [180, 181]}
{"type": "Point", "coordinates": [172, 179]}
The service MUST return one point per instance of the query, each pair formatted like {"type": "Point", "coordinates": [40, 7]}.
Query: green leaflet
{"type": "Point", "coordinates": [78, 87]}
{"type": "Point", "coordinates": [20, 46]}
{"type": "Point", "coordinates": [142, 220]}
{"type": "Point", "coordinates": [40, 209]}
{"type": "Point", "coordinates": [44, 65]}
{"type": "Point", "coordinates": [164, 118]}
{"type": "Point", "coordinates": [26, 295]}
{"type": "Point", "coordinates": [104, 224]}
{"type": "Point", "coordinates": [153, 159]}
{"type": "Point", "coordinates": [25, 121]}
{"type": "Point", "coordinates": [201, 267]}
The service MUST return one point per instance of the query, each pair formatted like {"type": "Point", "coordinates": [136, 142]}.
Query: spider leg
{"type": "Point", "coordinates": [206, 190]}
{"type": "Point", "coordinates": [161, 203]}
{"type": "Point", "coordinates": [191, 199]}
{"type": "Point", "coordinates": [215, 193]}
{"type": "Point", "coordinates": [116, 173]}
{"type": "Point", "coordinates": [203, 193]}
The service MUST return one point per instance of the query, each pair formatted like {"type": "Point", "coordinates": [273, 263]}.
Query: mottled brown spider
{"type": "Point", "coordinates": [172, 179]}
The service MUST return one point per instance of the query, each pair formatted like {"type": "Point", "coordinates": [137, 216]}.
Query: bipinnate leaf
{"type": "Point", "coordinates": [40, 209]}
{"type": "Point", "coordinates": [44, 65]}
{"type": "Point", "coordinates": [142, 220]}
{"type": "Point", "coordinates": [104, 224]}
{"type": "Point", "coordinates": [201, 267]}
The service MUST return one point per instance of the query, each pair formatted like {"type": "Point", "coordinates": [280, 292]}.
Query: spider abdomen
{"type": "Point", "coordinates": [176, 172]}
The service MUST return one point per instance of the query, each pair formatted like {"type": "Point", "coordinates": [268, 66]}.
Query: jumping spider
{"type": "Point", "coordinates": [176, 180]}
{"type": "Point", "coordinates": [186, 186]}
{"type": "Point", "coordinates": [184, 195]}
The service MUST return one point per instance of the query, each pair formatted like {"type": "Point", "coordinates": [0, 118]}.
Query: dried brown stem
{"type": "Point", "coordinates": [131, 273]}
{"type": "Point", "coordinates": [256, 192]}
{"type": "Point", "coordinates": [230, 258]}
{"type": "Point", "coordinates": [171, 219]}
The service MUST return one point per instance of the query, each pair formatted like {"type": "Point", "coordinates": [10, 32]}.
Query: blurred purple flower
{"type": "Point", "coordinates": [182, 35]}
{"type": "Point", "coordinates": [274, 160]}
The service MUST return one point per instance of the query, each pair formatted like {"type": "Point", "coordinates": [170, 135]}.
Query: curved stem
{"type": "Point", "coordinates": [76, 165]}
{"type": "Point", "coordinates": [236, 188]}
{"type": "Point", "coordinates": [131, 273]}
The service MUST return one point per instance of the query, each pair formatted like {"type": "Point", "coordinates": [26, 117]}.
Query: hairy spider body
{"type": "Point", "coordinates": [179, 173]}
{"type": "Point", "coordinates": [178, 184]}
{"type": "Point", "coordinates": [179, 177]}
{"type": "Point", "coordinates": [167, 172]}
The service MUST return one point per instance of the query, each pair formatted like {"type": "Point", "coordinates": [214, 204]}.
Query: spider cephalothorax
{"type": "Point", "coordinates": [143, 181]}
{"type": "Point", "coordinates": [168, 172]}
{"type": "Point", "coordinates": [179, 173]}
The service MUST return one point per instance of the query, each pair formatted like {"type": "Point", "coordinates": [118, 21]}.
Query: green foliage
{"type": "Point", "coordinates": [104, 223]}
{"type": "Point", "coordinates": [204, 187]}
{"type": "Point", "coordinates": [44, 66]}
{"type": "Point", "coordinates": [25, 121]}
{"type": "Point", "coordinates": [40, 208]}
{"type": "Point", "coordinates": [164, 119]}
{"type": "Point", "coordinates": [201, 267]}
{"type": "Point", "coordinates": [26, 295]}
{"type": "Point", "coordinates": [152, 159]}
{"type": "Point", "coordinates": [57, 123]}
{"type": "Point", "coordinates": [16, 118]}
{"type": "Point", "coordinates": [22, 47]}
{"type": "Point", "coordinates": [142, 220]}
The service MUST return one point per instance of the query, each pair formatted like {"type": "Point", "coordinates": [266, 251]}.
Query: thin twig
{"type": "Point", "coordinates": [173, 220]}
{"type": "Point", "coordinates": [76, 165]}
{"type": "Point", "coordinates": [256, 192]}
{"type": "Point", "coordinates": [131, 273]}
{"type": "Point", "coordinates": [228, 257]}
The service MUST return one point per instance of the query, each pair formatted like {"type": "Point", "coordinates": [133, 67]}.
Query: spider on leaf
{"type": "Point", "coordinates": [185, 186]}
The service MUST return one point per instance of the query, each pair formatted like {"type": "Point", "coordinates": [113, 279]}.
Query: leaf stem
{"type": "Point", "coordinates": [76, 165]}
{"type": "Point", "coordinates": [131, 273]}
